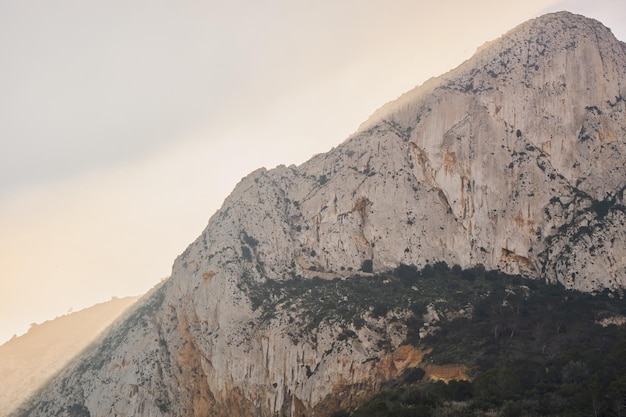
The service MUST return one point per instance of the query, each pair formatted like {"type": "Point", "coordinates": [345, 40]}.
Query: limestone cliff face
{"type": "Point", "coordinates": [514, 160]}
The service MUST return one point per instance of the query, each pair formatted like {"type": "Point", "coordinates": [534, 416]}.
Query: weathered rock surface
{"type": "Point", "coordinates": [514, 160]}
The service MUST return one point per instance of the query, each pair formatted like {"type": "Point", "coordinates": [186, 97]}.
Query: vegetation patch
{"type": "Point", "coordinates": [405, 291]}
{"type": "Point", "coordinates": [533, 349]}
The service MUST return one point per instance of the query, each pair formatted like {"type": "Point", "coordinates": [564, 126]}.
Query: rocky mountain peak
{"type": "Point", "coordinates": [523, 48]}
{"type": "Point", "coordinates": [513, 161]}
{"type": "Point", "coordinates": [552, 62]}
{"type": "Point", "coordinates": [483, 165]}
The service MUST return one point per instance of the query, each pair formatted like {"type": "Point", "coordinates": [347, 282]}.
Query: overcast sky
{"type": "Point", "coordinates": [124, 124]}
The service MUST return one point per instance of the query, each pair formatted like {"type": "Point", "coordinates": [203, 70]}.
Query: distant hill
{"type": "Point", "coordinates": [28, 361]}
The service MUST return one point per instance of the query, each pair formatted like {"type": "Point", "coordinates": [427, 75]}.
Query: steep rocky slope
{"type": "Point", "coordinates": [514, 160]}
{"type": "Point", "coordinates": [28, 361]}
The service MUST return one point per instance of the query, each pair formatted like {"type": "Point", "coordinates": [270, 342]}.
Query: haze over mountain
{"type": "Point", "coordinates": [513, 161]}
{"type": "Point", "coordinates": [28, 361]}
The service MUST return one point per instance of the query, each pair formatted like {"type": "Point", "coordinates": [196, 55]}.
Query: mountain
{"type": "Point", "coordinates": [27, 362]}
{"type": "Point", "coordinates": [512, 162]}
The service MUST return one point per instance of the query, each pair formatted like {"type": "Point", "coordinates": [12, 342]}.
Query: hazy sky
{"type": "Point", "coordinates": [124, 124]}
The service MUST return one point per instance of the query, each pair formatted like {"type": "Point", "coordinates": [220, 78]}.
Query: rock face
{"type": "Point", "coordinates": [514, 160]}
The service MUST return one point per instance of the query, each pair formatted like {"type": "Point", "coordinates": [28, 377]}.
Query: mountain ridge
{"type": "Point", "coordinates": [482, 53]}
{"type": "Point", "coordinates": [27, 361]}
{"type": "Point", "coordinates": [511, 162]}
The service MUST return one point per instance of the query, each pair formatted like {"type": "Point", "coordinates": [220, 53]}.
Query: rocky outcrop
{"type": "Point", "coordinates": [514, 160]}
